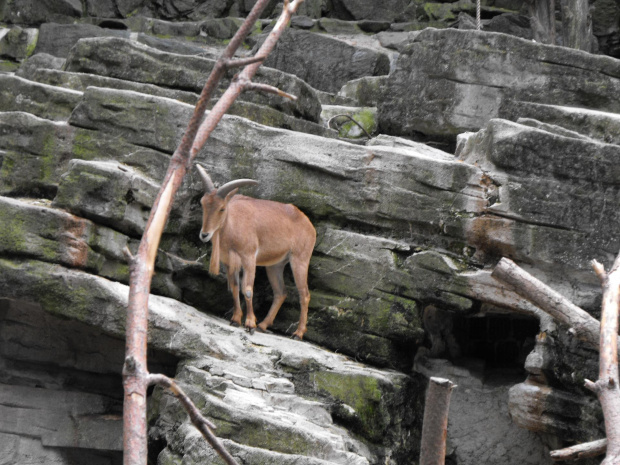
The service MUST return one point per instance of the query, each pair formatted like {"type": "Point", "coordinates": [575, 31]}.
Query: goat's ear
{"type": "Point", "coordinates": [231, 194]}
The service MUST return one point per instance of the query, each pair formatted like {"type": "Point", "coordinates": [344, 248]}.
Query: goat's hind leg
{"type": "Point", "coordinates": [275, 273]}
{"type": "Point", "coordinates": [299, 265]}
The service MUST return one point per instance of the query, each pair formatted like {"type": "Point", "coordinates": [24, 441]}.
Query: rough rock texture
{"type": "Point", "coordinates": [407, 234]}
{"type": "Point", "coordinates": [323, 62]}
{"type": "Point", "coordinates": [49, 102]}
{"type": "Point", "coordinates": [17, 43]}
{"type": "Point", "coordinates": [35, 12]}
{"type": "Point", "coordinates": [132, 61]}
{"type": "Point", "coordinates": [377, 11]}
{"type": "Point", "coordinates": [57, 39]}
{"type": "Point", "coordinates": [451, 81]}
{"type": "Point", "coordinates": [236, 372]}
{"type": "Point", "coordinates": [365, 91]}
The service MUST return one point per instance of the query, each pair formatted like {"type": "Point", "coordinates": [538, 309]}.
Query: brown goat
{"type": "Point", "coordinates": [247, 232]}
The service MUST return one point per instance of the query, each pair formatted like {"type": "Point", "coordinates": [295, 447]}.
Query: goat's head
{"type": "Point", "coordinates": [215, 203]}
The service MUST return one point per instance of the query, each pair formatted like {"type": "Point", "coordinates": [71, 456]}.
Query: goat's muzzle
{"type": "Point", "coordinates": [205, 237]}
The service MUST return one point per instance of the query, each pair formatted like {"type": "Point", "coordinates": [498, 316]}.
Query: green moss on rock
{"type": "Point", "coordinates": [362, 393]}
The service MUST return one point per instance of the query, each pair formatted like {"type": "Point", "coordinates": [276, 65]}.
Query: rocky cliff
{"type": "Point", "coordinates": [484, 145]}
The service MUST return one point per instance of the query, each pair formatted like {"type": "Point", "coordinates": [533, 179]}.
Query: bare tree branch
{"type": "Point", "coordinates": [435, 423]}
{"type": "Point", "coordinates": [200, 422]}
{"type": "Point", "coordinates": [135, 375]}
{"type": "Point", "coordinates": [241, 62]}
{"type": "Point", "coordinates": [580, 451]}
{"type": "Point", "coordinates": [608, 384]}
{"type": "Point", "coordinates": [249, 85]}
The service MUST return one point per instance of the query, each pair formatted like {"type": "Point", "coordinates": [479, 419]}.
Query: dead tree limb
{"type": "Point", "coordinates": [585, 327]}
{"type": "Point", "coordinates": [588, 330]}
{"type": "Point", "coordinates": [607, 386]}
{"type": "Point", "coordinates": [580, 451]}
{"type": "Point", "coordinates": [135, 374]}
{"type": "Point", "coordinates": [435, 423]}
{"type": "Point", "coordinates": [200, 422]}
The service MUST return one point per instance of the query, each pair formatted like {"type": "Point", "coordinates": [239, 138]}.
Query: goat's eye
{"type": "Point", "coordinates": [222, 210]}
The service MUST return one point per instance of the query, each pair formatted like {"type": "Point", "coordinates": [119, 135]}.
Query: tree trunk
{"type": "Point", "coordinates": [576, 24]}
{"type": "Point", "coordinates": [435, 425]}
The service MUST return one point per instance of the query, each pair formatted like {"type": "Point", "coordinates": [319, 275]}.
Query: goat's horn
{"type": "Point", "coordinates": [206, 180]}
{"type": "Point", "coordinates": [229, 186]}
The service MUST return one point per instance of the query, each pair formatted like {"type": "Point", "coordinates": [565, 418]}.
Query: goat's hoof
{"type": "Point", "coordinates": [235, 324]}
{"type": "Point", "coordinates": [296, 337]}
{"type": "Point", "coordinates": [250, 330]}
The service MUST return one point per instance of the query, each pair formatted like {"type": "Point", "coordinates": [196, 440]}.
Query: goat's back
{"type": "Point", "coordinates": [269, 226]}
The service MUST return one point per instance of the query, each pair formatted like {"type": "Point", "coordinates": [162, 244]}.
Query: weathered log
{"type": "Point", "coordinates": [585, 327]}
{"type": "Point", "coordinates": [580, 451]}
{"type": "Point", "coordinates": [435, 423]}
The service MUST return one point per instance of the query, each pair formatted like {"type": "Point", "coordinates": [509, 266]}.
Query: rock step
{"type": "Point", "coordinates": [280, 370]}
{"type": "Point", "coordinates": [599, 125]}
{"type": "Point", "coordinates": [128, 60]}
{"type": "Point", "coordinates": [60, 418]}
{"type": "Point", "coordinates": [263, 417]}
{"type": "Point", "coordinates": [42, 100]}
{"type": "Point", "coordinates": [324, 62]}
{"type": "Point", "coordinates": [482, 71]}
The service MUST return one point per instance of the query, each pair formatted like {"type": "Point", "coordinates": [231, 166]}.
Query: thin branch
{"type": "Point", "coordinates": [241, 62]}
{"type": "Point", "coordinates": [234, 90]}
{"type": "Point", "coordinates": [128, 255]}
{"type": "Point", "coordinates": [591, 385]}
{"type": "Point", "coordinates": [599, 270]}
{"type": "Point", "coordinates": [254, 86]}
{"type": "Point", "coordinates": [580, 451]}
{"type": "Point", "coordinates": [185, 262]}
{"type": "Point", "coordinates": [200, 422]}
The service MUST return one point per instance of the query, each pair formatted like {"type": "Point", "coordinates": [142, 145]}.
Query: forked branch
{"type": "Point", "coordinates": [587, 329]}
{"type": "Point", "coordinates": [135, 374]}
{"type": "Point", "coordinates": [607, 386]}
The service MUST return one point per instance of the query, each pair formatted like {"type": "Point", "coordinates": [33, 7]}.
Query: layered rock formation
{"type": "Point", "coordinates": [408, 234]}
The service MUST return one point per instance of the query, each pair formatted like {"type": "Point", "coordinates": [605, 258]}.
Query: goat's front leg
{"type": "Point", "coordinates": [233, 285]}
{"type": "Point", "coordinates": [247, 287]}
